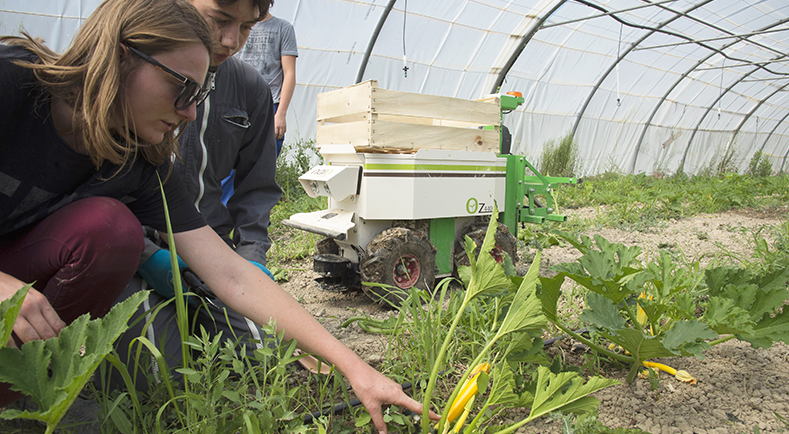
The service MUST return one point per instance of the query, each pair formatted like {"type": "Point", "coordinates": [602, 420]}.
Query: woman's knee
{"type": "Point", "coordinates": [106, 215]}
{"type": "Point", "coordinates": [98, 250]}
{"type": "Point", "coordinates": [108, 225]}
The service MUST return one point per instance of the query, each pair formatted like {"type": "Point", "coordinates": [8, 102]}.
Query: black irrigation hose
{"type": "Point", "coordinates": [552, 341]}
{"type": "Point", "coordinates": [339, 408]}
{"type": "Point", "coordinates": [577, 347]}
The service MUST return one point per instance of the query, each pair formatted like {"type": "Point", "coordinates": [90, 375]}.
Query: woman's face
{"type": "Point", "coordinates": [151, 92]}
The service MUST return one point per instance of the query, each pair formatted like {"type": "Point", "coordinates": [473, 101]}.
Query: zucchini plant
{"type": "Point", "coordinates": [663, 310]}
{"type": "Point", "coordinates": [52, 372]}
{"type": "Point", "coordinates": [520, 317]}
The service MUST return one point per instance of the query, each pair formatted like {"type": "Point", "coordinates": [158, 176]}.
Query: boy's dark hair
{"type": "Point", "coordinates": [262, 5]}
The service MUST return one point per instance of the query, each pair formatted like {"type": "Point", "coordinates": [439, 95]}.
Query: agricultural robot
{"type": "Point", "coordinates": [398, 214]}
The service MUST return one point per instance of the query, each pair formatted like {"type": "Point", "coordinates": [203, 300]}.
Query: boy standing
{"type": "Point", "coordinates": [272, 50]}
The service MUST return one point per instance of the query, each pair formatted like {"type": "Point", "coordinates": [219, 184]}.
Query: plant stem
{"type": "Point", "coordinates": [598, 348]}
{"type": "Point", "coordinates": [721, 340]}
{"type": "Point", "coordinates": [431, 384]}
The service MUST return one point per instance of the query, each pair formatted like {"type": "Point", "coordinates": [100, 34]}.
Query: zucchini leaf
{"type": "Point", "coordinates": [689, 337]}
{"type": "Point", "coordinates": [502, 391]}
{"type": "Point", "coordinates": [769, 329]}
{"type": "Point", "coordinates": [565, 392]}
{"type": "Point", "coordinates": [640, 346]}
{"type": "Point", "coordinates": [9, 309]}
{"type": "Point", "coordinates": [761, 296]}
{"type": "Point", "coordinates": [756, 294]}
{"type": "Point", "coordinates": [602, 313]}
{"type": "Point", "coordinates": [723, 316]}
{"type": "Point", "coordinates": [525, 312]}
{"type": "Point", "coordinates": [550, 291]}
{"type": "Point", "coordinates": [54, 371]}
{"type": "Point", "coordinates": [487, 274]}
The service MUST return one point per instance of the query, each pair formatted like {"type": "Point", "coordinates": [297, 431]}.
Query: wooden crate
{"type": "Point", "coordinates": [380, 120]}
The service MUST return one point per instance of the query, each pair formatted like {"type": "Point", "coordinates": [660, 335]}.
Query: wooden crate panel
{"type": "Point", "coordinates": [365, 117]}
{"type": "Point", "coordinates": [367, 101]}
{"type": "Point", "coordinates": [347, 133]}
{"type": "Point", "coordinates": [378, 134]}
{"type": "Point", "coordinates": [348, 104]}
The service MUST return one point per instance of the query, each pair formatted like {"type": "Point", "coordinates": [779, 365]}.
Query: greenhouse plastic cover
{"type": "Point", "coordinates": [662, 86]}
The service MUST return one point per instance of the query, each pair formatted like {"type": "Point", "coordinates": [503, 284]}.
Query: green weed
{"type": "Point", "coordinates": [294, 160]}
{"type": "Point", "coordinates": [770, 246]}
{"type": "Point", "coordinates": [782, 420]}
{"type": "Point", "coordinates": [759, 165]}
{"type": "Point", "coordinates": [724, 163]}
{"type": "Point", "coordinates": [289, 244]}
{"type": "Point", "coordinates": [589, 424]}
{"type": "Point", "coordinates": [641, 202]}
{"type": "Point", "coordinates": [560, 159]}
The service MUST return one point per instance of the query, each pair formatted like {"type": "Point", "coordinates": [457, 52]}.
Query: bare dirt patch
{"type": "Point", "coordinates": [739, 388]}
{"type": "Point", "coordinates": [703, 237]}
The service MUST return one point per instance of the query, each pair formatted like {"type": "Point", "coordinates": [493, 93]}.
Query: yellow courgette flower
{"type": "Point", "coordinates": [641, 315]}
{"type": "Point", "coordinates": [683, 376]}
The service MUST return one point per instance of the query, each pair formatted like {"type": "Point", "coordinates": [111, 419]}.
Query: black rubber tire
{"type": "Point", "coordinates": [327, 245]}
{"type": "Point", "coordinates": [400, 258]}
{"type": "Point", "coordinates": [505, 242]}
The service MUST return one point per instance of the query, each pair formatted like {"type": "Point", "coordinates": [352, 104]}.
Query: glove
{"type": "Point", "coordinates": [263, 267]}
{"type": "Point", "coordinates": [157, 271]}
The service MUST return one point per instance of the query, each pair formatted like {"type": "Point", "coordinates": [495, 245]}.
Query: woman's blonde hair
{"type": "Point", "coordinates": [89, 77]}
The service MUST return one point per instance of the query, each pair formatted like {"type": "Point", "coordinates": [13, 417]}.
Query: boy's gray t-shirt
{"type": "Point", "coordinates": [268, 41]}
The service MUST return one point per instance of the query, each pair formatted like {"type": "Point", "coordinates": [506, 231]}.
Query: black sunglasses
{"type": "Point", "coordinates": [192, 91]}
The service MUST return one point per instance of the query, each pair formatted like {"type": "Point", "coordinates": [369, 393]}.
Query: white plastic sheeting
{"type": "Point", "coordinates": [643, 86]}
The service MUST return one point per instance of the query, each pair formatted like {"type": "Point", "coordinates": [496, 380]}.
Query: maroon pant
{"type": "Point", "coordinates": [81, 257]}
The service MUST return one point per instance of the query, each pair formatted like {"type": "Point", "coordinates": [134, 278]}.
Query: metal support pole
{"type": "Point", "coordinates": [374, 38]}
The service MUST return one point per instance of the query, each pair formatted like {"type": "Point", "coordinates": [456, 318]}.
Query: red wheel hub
{"type": "Point", "coordinates": [406, 271]}
{"type": "Point", "coordinates": [497, 254]}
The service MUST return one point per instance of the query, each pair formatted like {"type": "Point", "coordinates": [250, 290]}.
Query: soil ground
{"type": "Point", "coordinates": [740, 389]}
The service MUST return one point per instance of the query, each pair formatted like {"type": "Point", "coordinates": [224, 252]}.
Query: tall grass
{"type": "Point", "coordinates": [295, 159]}
{"type": "Point", "coordinates": [759, 165]}
{"type": "Point", "coordinates": [560, 159]}
{"type": "Point", "coordinates": [642, 202]}
{"type": "Point", "coordinates": [288, 244]}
